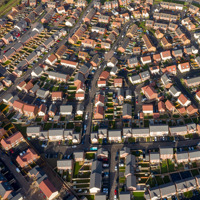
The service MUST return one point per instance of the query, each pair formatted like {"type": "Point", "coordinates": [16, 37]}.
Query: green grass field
{"type": "Point", "coordinates": [7, 7]}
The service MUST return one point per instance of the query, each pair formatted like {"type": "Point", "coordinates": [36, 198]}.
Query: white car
{"type": "Point", "coordinates": [74, 146]}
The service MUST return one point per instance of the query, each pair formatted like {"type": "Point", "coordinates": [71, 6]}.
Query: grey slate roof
{"type": "Point", "coordinates": [38, 70]}
{"type": "Point", "coordinates": [174, 90]}
{"type": "Point", "coordinates": [131, 181]}
{"type": "Point", "coordinates": [96, 167]}
{"type": "Point", "coordinates": [64, 163]}
{"type": "Point", "coordinates": [192, 126]}
{"type": "Point", "coordinates": [166, 150]}
{"type": "Point", "coordinates": [114, 133]}
{"type": "Point", "coordinates": [159, 128]}
{"type": "Point", "coordinates": [167, 189]}
{"type": "Point", "coordinates": [120, 92]}
{"type": "Point", "coordinates": [194, 154]}
{"type": "Point", "coordinates": [95, 180]}
{"type": "Point", "coordinates": [177, 129]}
{"type": "Point", "coordinates": [41, 93]}
{"type": "Point", "coordinates": [33, 129]}
{"type": "Point", "coordinates": [138, 131]}
{"type": "Point", "coordinates": [56, 132]}
{"type": "Point", "coordinates": [100, 197]}
{"type": "Point", "coordinates": [78, 154]}
{"type": "Point", "coordinates": [127, 109]}
{"type": "Point", "coordinates": [57, 74]}
{"type": "Point", "coordinates": [154, 156]}
{"type": "Point", "coordinates": [124, 196]}
{"type": "Point", "coordinates": [66, 108]}
{"type": "Point", "coordinates": [155, 192]}
{"type": "Point", "coordinates": [79, 76]}
{"type": "Point", "coordinates": [182, 155]}
{"type": "Point", "coordinates": [193, 80]}
{"type": "Point", "coordinates": [133, 60]}
{"type": "Point", "coordinates": [53, 108]}
{"type": "Point", "coordinates": [135, 78]}
{"type": "Point", "coordinates": [35, 88]}
{"type": "Point", "coordinates": [145, 74]}
{"type": "Point", "coordinates": [84, 69]}
{"type": "Point", "coordinates": [94, 135]}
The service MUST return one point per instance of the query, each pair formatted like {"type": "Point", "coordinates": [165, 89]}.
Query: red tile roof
{"type": "Point", "coordinates": [47, 188]}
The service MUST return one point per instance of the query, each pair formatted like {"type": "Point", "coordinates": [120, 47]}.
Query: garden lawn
{"type": "Point", "coordinates": [164, 167]}
{"type": "Point", "coordinates": [138, 195]}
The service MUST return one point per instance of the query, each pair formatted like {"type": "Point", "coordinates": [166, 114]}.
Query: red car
{"type": "Point", "coordinates": [115, 192]}
{"type": "Point", "coordinates": [136, 102]}
{"type": "Point", "coordinates": [11, 151]}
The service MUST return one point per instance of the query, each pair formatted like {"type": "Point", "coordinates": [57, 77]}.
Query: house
{"type": "Point", "coordinates": [12, 141]}
{"type": "Point", "coordinates": [68, 63]}
{"type": "Point", "coordinates": [42, 110]}
{"type": "Point", "coordinates": [165, 43]}
{"type": "Point", "coordinates": [159, 130]}
{"type": "Point", "coordinates": [170, 70]}
{"type": "Point", "coordinates": [191, 128]}
{"type": "Point", "coordinates": [55, 96]}
{"type": "Point", "coordinates": [194, 155]}
{"type": "Point", "coordinates": [113, 62]}
{"type": "Point", "coordinates": [184, 67]}
{"type": "Point", "coordinates": [183, 100]}
{"type": "Point", "coordinates": [131, 182]}
{"type": "Point", "coordinates": [124, 44]}
{"type": "Point", "coordinates": [48, 189]}
{"type": "Point", "coordinates": [70, 22]}
{"type": "Point", "coordinates": [128, 94]}
{"type": "Point", "coordinates": [58, 76]}
{"type": "Point", "coordinates": [33, 131]}
{"type": "Point", "coordinates": [132, 31]}
{"type": "Point", "coordinates": [30, 110]}
{"type": "Point", "coordinates": [136, 50]}
{"type": "Point", "coordinates": [167, 190]}
{"type": "Point", "coordinates": [21, 85]}
{"type": "Point", "coordinates": [95, 60]}
{"type": "Point", "coordinates": [60, 10]}
{"type": "Point", "coordinates": [192, 82]}
{"type": "Point", "coordinates": [140, 132]}
{"type": "Point", "coordinates": [147, 108]}
{"type": "Point", "coordinates": [5, 190]}
{"type": "Point", "coordinates": [192, 110]}
{"type": "Point", "coordinates": [78, 156]}
{"type": "Point", "coordinates": [126, 133]}
{"type": "Point", "coordinates": [145, 75]}
{"type": "Point", "coordinates": [52, 110]}
{"type": "Point", "coordinates": [166, 55]}
{"type": "Point", "coordinates": [99, 100]}
{"type": "Point", "coordinates": [89, 16]}
{"type": "Point", "coordinates": [113, 71]}
{"type": "Point", "coordinates": [182, 157]}
{"type": "Point", "coordinates": [95, 177]}
{"type": "Point", "coordinates": [166, 81]}
{"type": "Point", "coordinates": [127, 111]}
{"type": "Point", "coordinates": [133, 62]}
{"type": "Point", "coordinates": [27, 158]}
{"type": "Point", "coordinates": [161, 107]}
{"type": "Point", "coordinates": [66, 109]}
{"type": "Point", "coordinates": [170, 106]}
{"type": "Point", "coordinates": [42, 93]}
{"type": "Point", "coordinates": [68, 134]}
{"type": "Point", "coordinates": [166, 153]}
{"type": "Point", "coordinates": [56, 134]}
{"type": "Point", "coordinates": [51, 59]}
{"type": "Point", "coordinates": [94, 138]}
{"type": "Point", "coordinates": [114, 136]}
{"type": "Point", "coordinates": [146, 60]}
{"type": "Point", "coordinates": [88, 43]}
{"type": "Point", "coordinates": [198, 95]}
{"type": "Point", "coordinates": [178, 130]}
{"type": "Point", "coordinates": [65, 165]}
{"type": "Point", "coordinates": [18, 105]}
{"type": "Point", "coordinates": [154, 70]}
{"type": "Point", "coordinates": [98, 113]}
{"type": "Point", "coordinates": [118, 82]}
{"type": "Point", "coordinates": [37, 72]}
{"type": "Point", "coordinates": [148, 43]}
{"type": "Point", "coordinates": [154, 157]}
{"type": "Point", "coordinates": [102, 133]}
{"type": "Point", "coordinates": [120, 95]}
{"type": "Point", "coordinates": [135, 79]}
{"type": "Point", "coordinates": [174, 91]}
{"type": "Point", "coordinates": [158, 33]}
{"type": "Point", "coordinates": [149, 92]}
